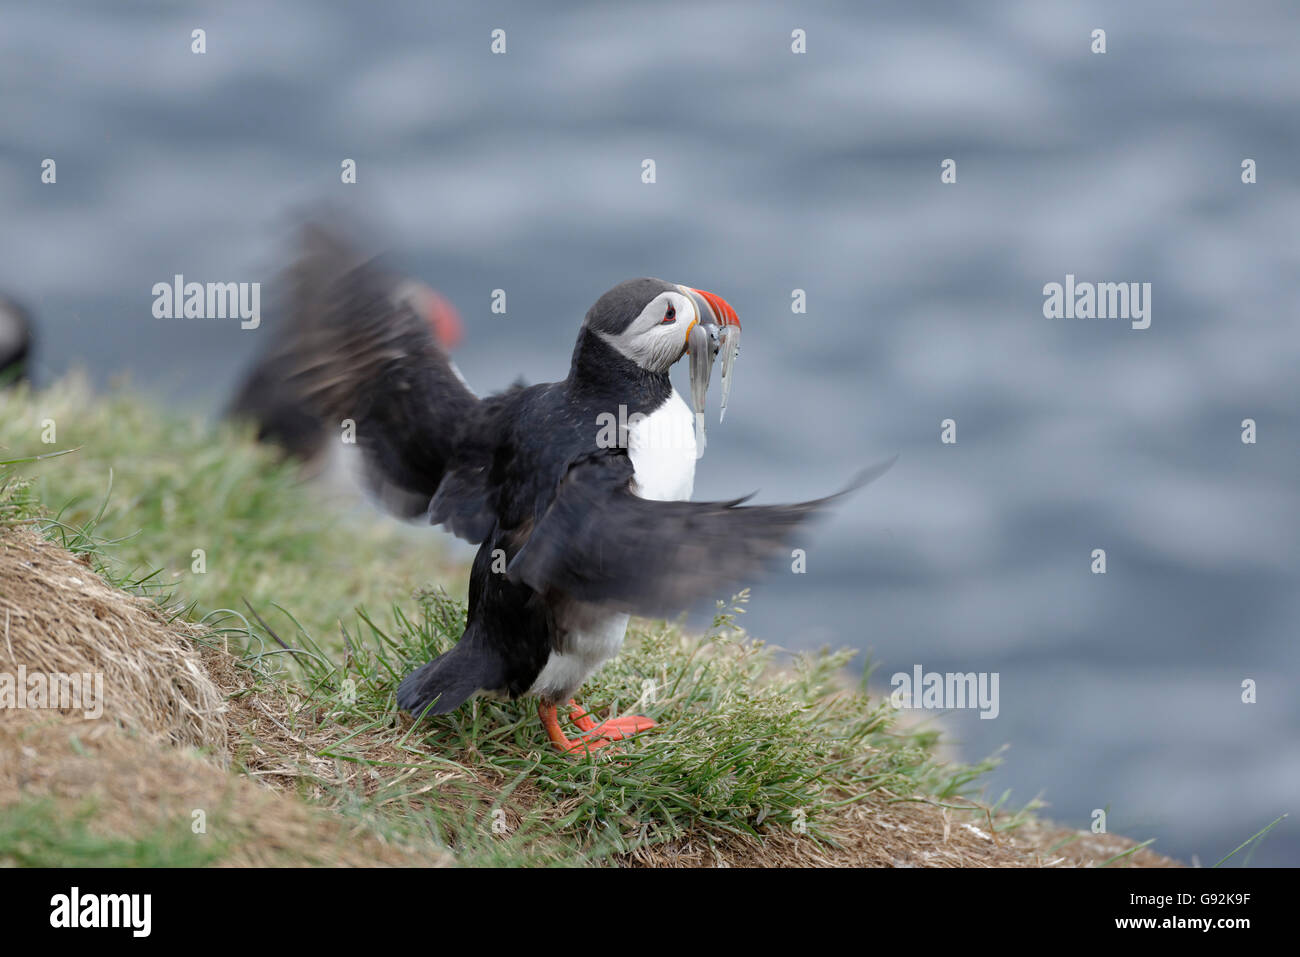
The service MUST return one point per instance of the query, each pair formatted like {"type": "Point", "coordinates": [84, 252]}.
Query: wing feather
{"type": "Point", "coordinates": [350, 350]}
{"type": "Point", "coordinates": [599, 542]}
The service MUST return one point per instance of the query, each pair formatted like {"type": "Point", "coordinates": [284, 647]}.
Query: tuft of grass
{"type": "Point", "coordinates": [1252, 842]}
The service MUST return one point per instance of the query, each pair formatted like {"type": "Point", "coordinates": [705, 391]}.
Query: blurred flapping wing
{"type": "Point", "coordinates": [599, 542]}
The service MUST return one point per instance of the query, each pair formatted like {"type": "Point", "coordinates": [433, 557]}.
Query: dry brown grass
{"type": "Point", "coordinates": [179, 714]}
{"type": "Point", "coordinates": [57, 615]}
{"type": "Point", "coordinates": [886, 832]}
{"type": "Point", "coordinates": [907, 834]}
{"type": "Point", "coordinates": [139, 788]}
{"type": "Point", "coordinates": [161, 749]}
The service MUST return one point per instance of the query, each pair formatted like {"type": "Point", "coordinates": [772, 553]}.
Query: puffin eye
{"type": "Point", "coordinates": [670, 316]}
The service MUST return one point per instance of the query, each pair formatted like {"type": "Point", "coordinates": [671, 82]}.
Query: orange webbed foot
{"type": "Point", "coordinates": [594, 735]}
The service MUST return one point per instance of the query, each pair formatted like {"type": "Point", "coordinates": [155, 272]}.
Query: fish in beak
{"type": "Point", "coordinates": [717, 330]}
{"type": "Point", "coordinates": [702, 344]}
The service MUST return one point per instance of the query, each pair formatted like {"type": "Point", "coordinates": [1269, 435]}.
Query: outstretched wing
{"type": "Point", "coordinates": [599, 542]}
{"type": "Point", "coordinates": [350, 350]}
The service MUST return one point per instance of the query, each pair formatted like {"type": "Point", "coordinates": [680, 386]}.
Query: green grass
{"type": "Point", "coordinates": [740, 750]}
{"type": "Point", "coordinates": [155, 485]}
{"type": "Point", "coordinates": [41, 833]}
{"type": "Point", "coordinates": [743, 749]}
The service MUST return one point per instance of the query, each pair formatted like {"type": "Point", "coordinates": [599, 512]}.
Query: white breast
{"type": "Point", "coordinates": [662, 449]}
{"type": "Point", "coordinates": [592, 634]}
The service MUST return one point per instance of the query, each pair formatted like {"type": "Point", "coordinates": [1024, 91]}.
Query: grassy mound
{"type": "Point", "coordinates": [57, 612]}
{"type": "Point", "coordinates": [280, 725]}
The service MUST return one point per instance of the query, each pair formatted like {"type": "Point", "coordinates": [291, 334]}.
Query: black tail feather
{"type": "Point", "coordinates": [448, 681]}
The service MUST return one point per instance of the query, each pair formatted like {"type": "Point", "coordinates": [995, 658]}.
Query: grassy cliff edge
{"type": "Point", "coordinates": [165, 546]}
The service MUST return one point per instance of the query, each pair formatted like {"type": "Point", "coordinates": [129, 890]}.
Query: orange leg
{"type": "Point", "coordinates": [593, 735]}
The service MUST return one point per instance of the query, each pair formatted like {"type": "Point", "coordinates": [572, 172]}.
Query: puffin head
{"type": "Point", "coordinates": [435, 309]}
{"type": "Point", "coordinates": [649, 321]}
{"type": "Point", "coordinates": [653, 323]}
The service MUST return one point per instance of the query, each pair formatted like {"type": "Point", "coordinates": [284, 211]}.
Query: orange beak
{"type": "Point", "coordinates": [723, 314]}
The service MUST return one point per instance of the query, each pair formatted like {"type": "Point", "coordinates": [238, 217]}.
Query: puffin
{"type": "Point", "coordinates": [15, 342]}
{"type": "Point", "coordinates": [577, 492]}
{"type": "Point", "coordinates": [265, 399]}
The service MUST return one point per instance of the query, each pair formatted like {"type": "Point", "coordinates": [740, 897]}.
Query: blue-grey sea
{"type": "Point", "coordinates": [777, 171]}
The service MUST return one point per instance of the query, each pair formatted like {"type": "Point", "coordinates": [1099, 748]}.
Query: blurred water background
{"type": "Point", "coordinates": [820, 172]}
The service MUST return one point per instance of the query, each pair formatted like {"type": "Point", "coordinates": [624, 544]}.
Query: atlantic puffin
{"type": "Point", "coordinates": [265, 399]}
{"type": "Point", "coordinates": [15, 342]}
{"type": "Point", "coordinates": [578, 525]}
